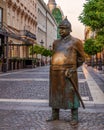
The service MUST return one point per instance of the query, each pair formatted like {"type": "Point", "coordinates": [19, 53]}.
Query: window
{"type": "Point", "coordinates": [1, 14]}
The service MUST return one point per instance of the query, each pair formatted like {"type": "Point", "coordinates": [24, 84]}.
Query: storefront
{"type": "Point", "coordinates": [14, 48]}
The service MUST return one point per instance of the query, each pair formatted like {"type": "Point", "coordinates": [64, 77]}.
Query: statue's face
{"type": "Point", "coordinates": [64, 32]}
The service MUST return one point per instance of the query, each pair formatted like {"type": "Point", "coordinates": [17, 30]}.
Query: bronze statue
{"type": "Point", "coordinates": [68, 55]}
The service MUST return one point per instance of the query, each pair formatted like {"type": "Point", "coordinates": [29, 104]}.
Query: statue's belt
{"type": "Point", "coordinates": [63, 67]}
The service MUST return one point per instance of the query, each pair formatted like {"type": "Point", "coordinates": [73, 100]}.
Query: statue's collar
{"type": "Point", "coordinates": [67, 38]}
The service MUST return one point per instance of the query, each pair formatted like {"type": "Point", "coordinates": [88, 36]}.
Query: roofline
{"type": "Point", "coordinates": [46, 8]}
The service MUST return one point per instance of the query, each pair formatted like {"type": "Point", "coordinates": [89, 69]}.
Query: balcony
{"type": "Point", "coordinates": [27, 34]}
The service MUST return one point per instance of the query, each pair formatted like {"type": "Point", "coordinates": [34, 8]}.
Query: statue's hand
{"type": "Point", "coordinates": [67, 73]}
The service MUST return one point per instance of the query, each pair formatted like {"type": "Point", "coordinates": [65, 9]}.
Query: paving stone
{"type": "Point", "coordinates": [99, 78]}
{"type": "Point", "coordinates": [37, 120]}
{"type": "Point", "coordinates": [32, 116]}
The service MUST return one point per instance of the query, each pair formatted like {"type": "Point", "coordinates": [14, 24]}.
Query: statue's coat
{"type": "Point", "coordinates": [67, 54]}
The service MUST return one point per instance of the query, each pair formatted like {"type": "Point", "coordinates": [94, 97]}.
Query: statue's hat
{"type": "Point", "coordinates": [65, 24]}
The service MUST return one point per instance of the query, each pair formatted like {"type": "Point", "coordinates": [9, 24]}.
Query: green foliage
{"type": "Point", "coordinates": [100, 36]}
{"type": "Point", "coordinates": [100, 41]}
{"type": "Point", "coordinates": [91, 47]}
{"type": "Point", "coordinates": [37, 49]}
{"type": "Point", "coordinates": [47, 52]}
{"type": "Point", "coordinates": [58, 17]}
{"type": "Point", "coordinates": [93, 14]}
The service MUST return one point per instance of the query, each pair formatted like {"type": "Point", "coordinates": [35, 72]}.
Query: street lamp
{"type": "Point", "coordinates": [41, 42]}
{"type": "Point", "coordinates": [50, 47]}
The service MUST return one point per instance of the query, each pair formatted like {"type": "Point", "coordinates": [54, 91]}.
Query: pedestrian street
{"type": "Point", "coordinates": [24, 101]}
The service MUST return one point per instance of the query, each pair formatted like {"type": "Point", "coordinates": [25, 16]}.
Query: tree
{"type": "Point", "coordinates": [57, 14]}
{"type": "Point", "coordinates": [100, 38]}
{"type": "Point", "coordinates": [47, 52]}
{"type": "Point", "coordinates": [37, 49]}
{"type": "Point", "coordinates": [93, 14]}
{"type": "Point", "coordinates": [89, 47]}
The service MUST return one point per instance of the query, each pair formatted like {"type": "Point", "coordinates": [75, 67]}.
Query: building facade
{"type": "Point", "coordinates": [2, 19]}
{"type": "Point", "coordinates": [18, 20]}
{"type": "Point", "coordinates": [47, 26]}
{"type": "Point", "coordinates": [88, 33]}
{"type": "Point", "coordinates": [22, 20]}
{"type": "Point", "coordinates": [23, 24]}
{"type": "Point", "coordinates": [97, 59]}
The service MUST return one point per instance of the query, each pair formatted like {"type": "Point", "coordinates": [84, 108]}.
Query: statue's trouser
{"type": "Point", "coordinates": [74, 114]}
{"type": "Point", "coordinates": [55, 114]}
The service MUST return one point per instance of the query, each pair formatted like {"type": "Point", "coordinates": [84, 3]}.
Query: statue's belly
{"type": "Point", "coordinates": [58, 59]}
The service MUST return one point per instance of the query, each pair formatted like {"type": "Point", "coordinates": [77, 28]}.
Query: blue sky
{"type": "Point", "coordinates": [72, 9]}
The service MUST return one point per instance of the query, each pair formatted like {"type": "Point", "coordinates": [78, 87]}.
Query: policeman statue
{"type": "Point", "coordinates": [67, 56]}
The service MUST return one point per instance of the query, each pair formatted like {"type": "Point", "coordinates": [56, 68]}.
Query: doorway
{"type": "Point", "coordinates": [1, 46]}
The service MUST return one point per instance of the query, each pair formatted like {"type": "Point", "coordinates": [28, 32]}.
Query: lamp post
{"type": "Point", "coordinates": [50, 47]}
{"type": "Point", "coordinates": [41, 42]}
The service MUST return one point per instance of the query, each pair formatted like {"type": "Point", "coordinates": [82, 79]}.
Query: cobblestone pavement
{"type": "Point", "coordinates": [98, 76]}
{"type": "Point", "coordinates": [36, 120]}
{"type": "Point", "coordinates": [24, 103]}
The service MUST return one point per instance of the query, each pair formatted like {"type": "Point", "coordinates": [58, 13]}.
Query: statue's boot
{"type": "Point", "coordinates": [55, 115]}
{"type": "Point", "coordinates": [74, 114]}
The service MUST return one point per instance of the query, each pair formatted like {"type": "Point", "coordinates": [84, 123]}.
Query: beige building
{"type": "Point", "coordinates": [18, 31]}
{"type": "Point", "coordinates": [89, 33]}
{"type": "Point", "coordinates": [2, 11]}
{"type": "Point", "coordinates": [47, 26]}
{"type": "Point", "coordinates": [21, 19]}
{"type": "Point", "coordinates": [23, 24]}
